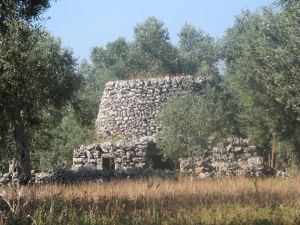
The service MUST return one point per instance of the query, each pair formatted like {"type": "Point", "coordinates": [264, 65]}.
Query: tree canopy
{"type": "Point", "coordinates": [151, 53]}
{"type": "Point", "coordinates": [262, 58]}
{"type": "Point", "coordinates": [199, 53]}
{"type": "Point", "coordinates": [35, 74]}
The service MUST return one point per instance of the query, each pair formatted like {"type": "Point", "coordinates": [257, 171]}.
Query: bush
{"type": "Point", "coordinates": [190, 122]}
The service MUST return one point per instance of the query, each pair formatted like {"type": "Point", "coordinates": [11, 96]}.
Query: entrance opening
{"type": "Point", "coordinates": [108, 164]}
{"type": "Point", "coordinates": [156, 159]}
{"type": "Point", "coordinates": [157, 162]}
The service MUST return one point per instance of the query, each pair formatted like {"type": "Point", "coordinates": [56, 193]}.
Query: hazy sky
{"type": "Point", "coordinates": [84, 24]}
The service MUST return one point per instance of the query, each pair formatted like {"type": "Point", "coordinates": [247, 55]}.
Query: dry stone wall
{"type": "Point", "coordinates": [129, 111]}
{"type": "Point", "coordinates": [234, 157]}
{"type": "Point", "coordinates": [129, 156]}
{"type": "Point", "coordinates": [129, 108]}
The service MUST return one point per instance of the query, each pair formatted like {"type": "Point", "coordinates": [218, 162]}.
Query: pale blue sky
{"type": "Point", "coordinates": [84, 24]}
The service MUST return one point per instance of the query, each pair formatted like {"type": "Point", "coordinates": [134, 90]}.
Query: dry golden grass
{"type": "Point", "coordinates": [223, 201]}
{"type": "Point", "coordinates": [287, 189]}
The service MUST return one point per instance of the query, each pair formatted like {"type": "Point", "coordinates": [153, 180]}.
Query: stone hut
{"type": "Point", "coordinates": [127, 124]}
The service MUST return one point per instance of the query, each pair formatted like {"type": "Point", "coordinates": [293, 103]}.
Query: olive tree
{"type": "Point", "coordinates": [35, 74]}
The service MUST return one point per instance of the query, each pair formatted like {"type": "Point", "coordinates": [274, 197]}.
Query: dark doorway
{"type": "Point", "coordinates": [108, 164]}
{"type": "Point", "coordinates": [158, 162]}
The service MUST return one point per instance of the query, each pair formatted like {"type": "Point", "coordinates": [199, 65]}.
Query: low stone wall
{"type": "Point", "coordinates": [235, 157]}
{"type": "Point", "coordinates": [133, 158]}
{"type": "Point", "coordinates": [126, 155]}
{"type": "Point", "coordinates": [57, 177]}
{"type": "Point", "coordinates": [86, 175]}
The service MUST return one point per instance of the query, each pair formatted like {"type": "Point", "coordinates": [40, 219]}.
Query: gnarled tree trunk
{"type": "Point", "coordinates": [272, 152]}
{"type": "Point", "coordinates": [22, 151]}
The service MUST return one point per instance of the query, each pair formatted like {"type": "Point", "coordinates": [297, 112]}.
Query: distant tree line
{"type": "Point", "coordinates": [49, 103]}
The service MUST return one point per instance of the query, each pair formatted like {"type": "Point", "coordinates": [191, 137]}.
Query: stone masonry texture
{"type": "Point", "coordinates": [130, 108]}
{"type": "Point", "coordinates": [126, 127]}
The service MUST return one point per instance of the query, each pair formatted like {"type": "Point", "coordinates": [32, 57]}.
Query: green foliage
{"type": "Point", "coordinates": [72, 126]}
{"type": "Point", "coordinates": [154, 47]}
{"type": "Point", "coordinates": [114, 58]}
{"type": "Point", "coordinates": [262, 58]}
{"type": "Point", "coordinates": [65, 137]}
{"type": "Point", "coordinates": [286, 157]}
{"type": "Point", "coordinates": [35, 83]}
{"type": "Point", "coordinates": [37, 77]}
{"type": "Point", "coordinates": [151, 53]}
{"type": "Point", "coordinates": [190, 123]}
{"type": "Point", "coordinates": [25, 10]}
{"type": "Point", "coordinates": [180, 124]}
{"type": "Point", "coordinates": [198, 52]}
{"type": "Point", "coordinates": [49, 79]}
{"type": "Point", "coordinates": [87, 100]}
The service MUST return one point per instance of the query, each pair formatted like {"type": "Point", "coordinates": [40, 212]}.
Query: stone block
{"type": "Point", "coordinates": [139, 160]}
{"type": "Point", "coordinates": [107, 155]}
{"type": "Point", "coordinates": [130, 154]}
{"type": "Point", "coordinates": [255, 161]}
{"type": "Point", "coordinates": [93, 161]}
{"type": "Point", "coordinates": [141, 165]}
{"type": "Point", "coordinates": [118, 160]}
{"type": "Point", "coordinates": [78, 153]}
{"type": "Point", "coordinates": [238, 149]}
{"type": "Point", "coordinates": [79, 161]}
{"type": "Point", "coordinates": [117, 166]}
{"type": "Point", "coordinates": [141, 154]}
{"type": "Point", "coordinates": [186, 164]}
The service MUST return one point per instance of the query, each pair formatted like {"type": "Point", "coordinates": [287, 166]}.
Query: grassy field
{"type": "Point", "coordinates": [226, 201]}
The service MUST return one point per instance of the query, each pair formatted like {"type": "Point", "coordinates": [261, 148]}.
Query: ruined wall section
{"type": "Point", "coordinates": [129, 156]}
{"type": "Point", "coordinates": [129, 108]}
{"type": "Point", "coordinates": [234, 157]}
